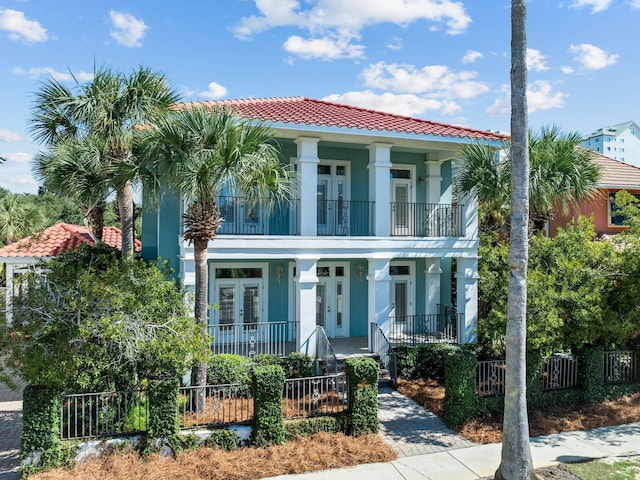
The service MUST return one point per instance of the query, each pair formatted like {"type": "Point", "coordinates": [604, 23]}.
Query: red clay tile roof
{"type": "Point", "coordinates": [307, 111]}
{"type": "Point", "coordinates": [614, 173]}
{"type": "Point", "coordinates": [60, 238]}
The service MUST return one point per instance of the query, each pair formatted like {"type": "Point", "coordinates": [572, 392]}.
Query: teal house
{"type": "Point", "coordinates": [375, 245]}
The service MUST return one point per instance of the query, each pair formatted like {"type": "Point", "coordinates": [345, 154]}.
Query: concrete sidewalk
{"type": "Point", "coordinates": [482, 460]}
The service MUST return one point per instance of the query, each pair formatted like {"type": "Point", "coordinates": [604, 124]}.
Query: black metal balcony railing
{"type": "Point", "coordinates": [426, 328]}
{"type": "Point", "coordinates": [345, 218]}
{"type": "Point", "coordinates": [426, 220]}
{"type": "Point", "coordinates": [242, 218]}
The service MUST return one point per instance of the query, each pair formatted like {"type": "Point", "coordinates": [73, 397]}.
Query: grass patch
{"type": "Point", "coordinates": [611, 470]}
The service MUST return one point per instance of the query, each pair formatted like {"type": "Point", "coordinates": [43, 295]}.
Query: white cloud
{"type": "Point", "coordinates": [567, 70]}
{"type": "Point", "coordinates": [435, 80]}
{"type": "Point", "coordinates": [471, 56]}
{"type": "Point", "coordinates": [127, 29]}
{"type": "Point", "coordinates": [596, 5]}
{"type": "Point", "coordinates": [214, 91]}
{"type": "Point", "coordinates": [10, 136]}
{"type": "Point", "coordinates": [323, 48]}
{"type": "Point", "coordinates": [340, 21]}
{"type": "Point", "coordinates": [37, 72]}
{"type": "Point", "coordinates": [396, 43]}
{"type": "Point", "coordinates": [592, 57]}
{"type": "Point", "coordinates": [401, 104]}
{"type": "Point", "coordinates": [20, 28]}
{"type": "Point", "coordinates": [19, 183]}
{"type": "Point", "coordinates": [635, 3]}
{"type": "Point", "coordinates": [540, 96]}
{"type": "Point", "coordinates": [536, 61]}
{"type": "Point", "coordinates": [17, 157]}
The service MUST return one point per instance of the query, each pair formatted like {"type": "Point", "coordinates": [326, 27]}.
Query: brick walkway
{"type": "Point", "coordinates": [410, 429]}
{"type": "Point", "coordinates": [10, 433]}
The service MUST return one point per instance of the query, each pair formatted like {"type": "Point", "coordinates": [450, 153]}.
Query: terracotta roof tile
{"type": "Point", "coordinates": [60, 238]}
{"type": "Point", "coordinates": [307, 111]}
{"type": "Point", "coordinates": [614, 173]}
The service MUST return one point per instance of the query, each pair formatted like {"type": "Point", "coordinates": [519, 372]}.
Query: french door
{"type": "Point", "coordinates": [402, 202]}
{"type": "Point", "coordinates": [332, 200]}
{"type": "Point", "coordinates": [332, 299]}
{"type": "Point", "coordinates": [238, 296]}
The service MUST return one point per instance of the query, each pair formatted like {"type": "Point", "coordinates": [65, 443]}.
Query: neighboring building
{"type": "Point", "coordinates": [620, 142]}
{"type": "Point", "coordinates": [614, 176]}
{"type": "Point", "coordinates": [368, 242]}
{"type": "Point", "coordinates": [19, 256]}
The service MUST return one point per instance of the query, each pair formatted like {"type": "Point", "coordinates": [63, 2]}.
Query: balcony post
{"type": "Point", "coordinates": [306, 280]}
{"type": "Point", "coordinates": [380, 187]}
{"type": "Point", "coordinates": [469, 215]}
{"type": "Point", "coordinates": [308, 161]}
{"type": "Point", "coordinates": [379, 301]}
{"type": "Point", "coordinates": [467, 299]}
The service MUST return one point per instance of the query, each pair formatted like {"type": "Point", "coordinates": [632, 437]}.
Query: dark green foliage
{"type": "Point", "coordinates": [460, 401]}
{"type": "Point", "coordinates": [266, 359]}
{"type": "Point", "coordinates": [406, 361]}
{"type": "Point", "coordinates": [223, 439]}
{"type": "Point", "coordinates": [362, 374]}
{"type": "Point", "coordinates": [313, 425]}
{"type": "Point", "coordinates": [534, 379]}
{"type": "Point", "coordinates": [163, 407]}
{"type": "Point", "coordinates": [268, 385]}
{"type": "Point", "coordinates": [226, 368]}
{"type": "Point", "coordinates": [297, 365]}
{"type": "Point", "coordinates": [40, 428]}
{"type": "Point", "coordinates": [95, 324]}
{"type": "Point", "coordinates": [591, 374]}
{"type": "Point", "coordinates": [430, 359]}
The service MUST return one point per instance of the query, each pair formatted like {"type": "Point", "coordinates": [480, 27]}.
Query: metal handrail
{"type": "Point", "coordinates": [381, 346]}
{"type": "Point", "coordinates": [324, 351]}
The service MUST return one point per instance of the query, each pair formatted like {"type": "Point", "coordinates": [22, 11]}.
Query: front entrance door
{"type": "Point", "coordinates": [401, 199]}
{"type": "Point", "coordinates": [402, 306]}
{"type": "Point", "coordinates": [238, 296]}
{"type": "Point", "coordinates": [332, 299]}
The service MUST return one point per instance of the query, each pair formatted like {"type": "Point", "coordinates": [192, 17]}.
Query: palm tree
{"type": "Point", "coordinates": [560, 173]}
{"type": "Point", "coordinates": [516, 462]}
{"type": "Point", "coordinates": [18, 218]}
{"type": "Point", "coordinates": [75, 167]}
{"type": "Point", "coordinates": [108, 107]}
{"type": "Point", "coordinates": [200, 152]}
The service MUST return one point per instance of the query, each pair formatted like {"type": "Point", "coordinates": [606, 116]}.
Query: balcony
{"type": "Point", "coordinates": [345, 218]}
{"type": "Point", "coordinates": [242, 218]}
{"type": "Point", "coordinates": [426, 328]}
{"type": "Point", "coordinates": [426, 220]}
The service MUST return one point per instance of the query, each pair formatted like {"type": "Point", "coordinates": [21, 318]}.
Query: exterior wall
{"type": "Point", "coordinates": [624, 147]}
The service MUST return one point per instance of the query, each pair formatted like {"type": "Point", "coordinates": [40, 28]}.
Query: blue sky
{"type": "Point", "coordinates": [441, 60]}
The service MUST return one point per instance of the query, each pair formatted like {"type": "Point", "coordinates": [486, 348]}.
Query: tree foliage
{"type": "Point", "coordinates": [89, 323]}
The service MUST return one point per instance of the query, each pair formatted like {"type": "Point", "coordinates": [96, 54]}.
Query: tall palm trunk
{"type": "Point", "coordinates": [516, 463]}
{"type": "Point", "coordinates": [202, 280]}
{"type": "Point", "coordinates": [94, 217]}
{"type": "Point", "coordinates": [125, 208]}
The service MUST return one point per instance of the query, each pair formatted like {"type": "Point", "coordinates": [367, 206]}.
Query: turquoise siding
{"type": "Point", "coordinates": [149, 231]}
{"type": "Point", "coordinates": [358, 303]}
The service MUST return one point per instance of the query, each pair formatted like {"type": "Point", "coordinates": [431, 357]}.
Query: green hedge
{"type": "Point", "coordinates": [310, 426]}
{"type": "Point", "coordinates": [163, 407]}
{"type": "Point", "coordinates": [41, 445]}
{"type": "Point", "coordinates": [460, 399]}
{"type": "Point", "coordinates": [223, 439]}
{"type": "Point", "coordinates": [268, 385]}
{"type": "Point", "coordinates": [362, 374]}
{"type": "Point", "coordinates": [590, 374]}
{"type": "Point", "coordinates": [297, 365]}
{"type": "Point", "coordinates": [226, 368]}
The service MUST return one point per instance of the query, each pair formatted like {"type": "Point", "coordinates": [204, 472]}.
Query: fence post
{"type": "Point", "coordinates": [591, 374]}
{"type": "Point", "coordinates": [362, 376]}
{"type": "Point", "coordinates": [460, 399]}
{"type": "Point", "coordinates": [163, 408]}
{"type": "Point", "coordinates": [40, 446]}
{"type": "Point", "coordinates": [268, 387]}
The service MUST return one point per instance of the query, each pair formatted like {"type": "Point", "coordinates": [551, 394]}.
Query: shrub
{"type": "Point", "coordinates": [40, 446]}
{"type": "Point", "coordinates": [268, 385]}
{"type": "Point", "coordinates": [226, 368]}
{"type": "Point", "coordinates": [406, 361]}
{"type": "Point", "coordinates": [224, 439]}
{"type": "Point", "coordinates": [163, 408]}
{"type": "Point", "coordinates": [460, 400]}
{"type": "Point", "coordinates": [430, 359]}
{"type": "Point", "coordinates": [266, 359]}
{"type": "Point", "coordinates": [363, 374]}
{"type": "Point", "coordinates": [297, 365]}
{"type": "Point", "coordinates": [313, 425]}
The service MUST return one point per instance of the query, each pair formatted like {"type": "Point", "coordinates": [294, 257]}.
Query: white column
{"type": "Point", "coordinates": [379, 301]}
{"type": "Point", "coordinates": [307, 279]}
{"type": "Point", "coordinates": [467, 299]}
{"type": "Point", "coordinates": [8, 293]}
{"type": "Point", "coordinates": [469, 215]}
{"type": "Point", "coordinates": [433, 273]}
{"type": "Point", "coordinates": [308, 182]}
{"type": "Point", "coordinates": [380, 187]}
{"type": "Point", "coordinates": [434, 213]}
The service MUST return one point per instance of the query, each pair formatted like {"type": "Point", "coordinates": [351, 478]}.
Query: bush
{"type": "Point", "coordinates": [430, 359]}
{"type": "Point", "coordinates": [40, 446]}
{"type": "Point", "coordinates": [313, 425]}
{"type": "Point", "coordinates": [224, 439]}
{"type": "Point", "coordinates": [406, 361]}
{"type": "Point", "coordinates": [297, 365]}
{"type": "Point", "coordinates": [226, 368]}
{"type": "Point", "coordinates": [163, 408]}
{"type": "Point", "coordinates": [460, 400]}
{"type": "Point", "coordinates": [268, 385]}
{"type": "Point", "coordinates": [363, 374]}
{"type": "Point", "coordinates": [266, 359]}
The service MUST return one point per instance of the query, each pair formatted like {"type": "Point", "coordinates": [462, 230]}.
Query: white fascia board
{"type": "Point", "coordinates": [620, 187]}
{"type": "Point", "coordinates": [24, 260]}
{"type": "Point", "coordinates": [281, 129]}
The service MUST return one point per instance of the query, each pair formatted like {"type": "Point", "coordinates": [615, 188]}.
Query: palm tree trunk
{"type": "Point", "coordinates": [202, 281]}
{"type": "Point", "coordinates": [95, 219]}
{"type": "Point", "coordinates": [125, 208]}
{"type": "Point", "coordinates": [516, 463]}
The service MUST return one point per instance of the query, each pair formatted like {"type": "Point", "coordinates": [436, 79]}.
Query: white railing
{"type": "Point", "coordinates": [313, 396]}
{"type": "Point", "coordinates": [86, 415]}
{"type": "Point", "coordinates": [251, 339]}
{"type": "Point", "coordinates": [620, 366]}
{"type": "Point", "coordinates": [490, 378]}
